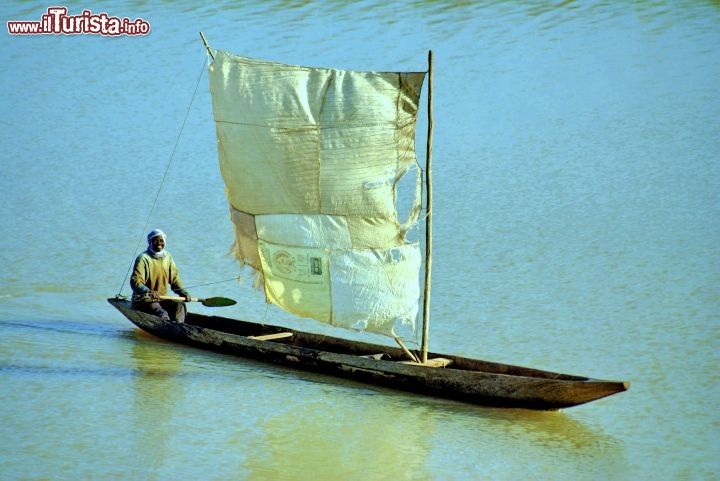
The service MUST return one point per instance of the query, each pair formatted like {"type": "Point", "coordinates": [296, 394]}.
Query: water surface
{"type": "Point", "coordinates": [576, 218]}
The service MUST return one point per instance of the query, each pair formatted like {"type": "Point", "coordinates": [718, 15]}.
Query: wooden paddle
{"type": "Point", "coordinates": [208, 302]}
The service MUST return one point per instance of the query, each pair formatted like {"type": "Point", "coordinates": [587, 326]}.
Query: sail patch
{"type": "Point", "coordinates": [374, 290]}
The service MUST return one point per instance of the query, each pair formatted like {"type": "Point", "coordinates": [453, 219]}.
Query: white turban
{"type": "Point", "coordinates": [154, 233]}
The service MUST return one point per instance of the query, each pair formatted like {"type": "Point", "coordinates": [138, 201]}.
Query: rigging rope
{"type": "Point", "coordinates": [162, 182]}
{"type": "Point", "coordinates": [215, 282]}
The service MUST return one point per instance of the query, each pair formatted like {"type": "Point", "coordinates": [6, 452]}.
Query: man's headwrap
{"type": "Point", "coordinates": [154, 233]}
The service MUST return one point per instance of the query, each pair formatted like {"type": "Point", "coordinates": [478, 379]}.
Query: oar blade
{"type": "Point", "coordinates": [218, 302]}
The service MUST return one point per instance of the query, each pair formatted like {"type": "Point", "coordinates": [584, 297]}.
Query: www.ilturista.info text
{"type": "Point", "coordinates": [57, 22]}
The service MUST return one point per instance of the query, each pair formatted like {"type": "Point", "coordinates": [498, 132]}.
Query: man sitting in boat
{"type": "Point", "coordinates": [154, 269]}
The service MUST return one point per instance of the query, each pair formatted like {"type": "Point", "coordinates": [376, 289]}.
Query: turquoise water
{"type": "Point", "coordinates": [576, 222]}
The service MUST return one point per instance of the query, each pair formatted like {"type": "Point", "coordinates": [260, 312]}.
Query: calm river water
{"type": "Point", "coordinates": [577, 226]}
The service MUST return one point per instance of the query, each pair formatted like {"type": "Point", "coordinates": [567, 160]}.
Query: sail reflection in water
{"type": "Point", "coordinates": [342, 439]}
{"type": "Point", "coordinates": [311, 159]}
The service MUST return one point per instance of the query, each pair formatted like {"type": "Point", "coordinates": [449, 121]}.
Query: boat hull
{"type": "Point", "coordinates": [463, 379]}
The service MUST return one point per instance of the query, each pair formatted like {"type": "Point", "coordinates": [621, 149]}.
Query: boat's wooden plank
{"type": "Point", "coordinates": [272, 337]}
{"type": "Point", "coordinates": [435, 362]}
{"type": "Point", "coordinates": [377, 357]}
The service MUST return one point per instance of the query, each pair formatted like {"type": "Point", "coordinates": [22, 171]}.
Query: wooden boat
{"type": "Point", "coordinates": [446, 376]}
{"type": "Point", "coordinates": [312, 160]}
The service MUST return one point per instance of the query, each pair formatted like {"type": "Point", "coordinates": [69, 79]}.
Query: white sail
{"type": "Point", "coordinates": [311, 159]}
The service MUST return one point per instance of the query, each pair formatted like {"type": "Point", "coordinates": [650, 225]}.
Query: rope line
{"type": "Point", "coordinates": [213, 283]}
{"type": "Point", "coordinates": [162, 182]}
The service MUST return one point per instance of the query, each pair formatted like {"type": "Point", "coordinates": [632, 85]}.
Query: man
{"type": "Point", "coordinates": [154, 269]}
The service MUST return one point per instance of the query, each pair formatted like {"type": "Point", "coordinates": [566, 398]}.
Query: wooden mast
{"type": "Point", "coordinates": [212, 55]}
{"type": "Point", "coordinates": [428, 217]}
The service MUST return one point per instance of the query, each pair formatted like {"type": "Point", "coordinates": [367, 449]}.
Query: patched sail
{"type": "Point", "coordinates": [311, 159]}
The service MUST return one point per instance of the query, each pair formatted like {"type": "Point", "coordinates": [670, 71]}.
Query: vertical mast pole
{"type": "Point", "coordinates": [428, 216]}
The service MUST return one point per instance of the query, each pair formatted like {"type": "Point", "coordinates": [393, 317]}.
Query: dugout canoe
{"type": "Point", "coordinates": [447, 376]}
